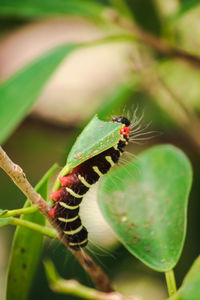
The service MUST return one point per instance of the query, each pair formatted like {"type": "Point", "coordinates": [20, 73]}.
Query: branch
{"type": "Point", "coordinates": [33, 226]}
{"type": "Point", "coordinates": [159, 44]}
{"type": "Point", "coordinates": [72, 287]}
{"type": "Point", "coordinates": [15, 172]}
{"type": "Point", "coordinates": [17, 212]}
{"type": "Point", "coordinates": [151, 81]}
{"type": "Point", "coordinates": [164, 47]}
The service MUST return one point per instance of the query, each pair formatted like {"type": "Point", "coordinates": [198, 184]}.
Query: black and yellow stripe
{"type": "Point", "coordinates": [70, 197]}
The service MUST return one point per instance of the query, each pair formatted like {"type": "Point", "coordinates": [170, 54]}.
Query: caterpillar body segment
{"type": "Point", "coordinates": [76, 184]}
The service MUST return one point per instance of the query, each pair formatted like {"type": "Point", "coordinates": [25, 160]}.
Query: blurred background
{"type": "Point", "coordinates": [110, 78]}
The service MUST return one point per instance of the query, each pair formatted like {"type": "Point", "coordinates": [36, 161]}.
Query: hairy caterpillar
{"type": "Point", "coordinates": [76, 184]}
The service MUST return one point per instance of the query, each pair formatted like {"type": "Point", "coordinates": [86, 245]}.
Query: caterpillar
{"type": "Point", "coordinates": [75, 185]}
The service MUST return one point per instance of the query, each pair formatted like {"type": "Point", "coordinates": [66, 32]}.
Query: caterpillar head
{"type": "Point", "coordinates": [122, 120]}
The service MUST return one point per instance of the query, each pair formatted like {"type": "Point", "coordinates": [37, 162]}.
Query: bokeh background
{"type": "Point", "coordinates": [109, 78]}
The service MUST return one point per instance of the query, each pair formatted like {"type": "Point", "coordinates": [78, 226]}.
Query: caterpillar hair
{"type": "Point", "coordinates": [75, 185]}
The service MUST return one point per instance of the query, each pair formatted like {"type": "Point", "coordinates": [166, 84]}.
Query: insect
{"type": "Point", "coordinates": [76, 184]}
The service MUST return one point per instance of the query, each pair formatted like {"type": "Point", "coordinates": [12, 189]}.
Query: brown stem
{"type": "Point", "coordinates": [158, 43]}
{"type": "Point", "coordinates": [16, 173]}
{"type": "Point", "coordinates": [193, 125]}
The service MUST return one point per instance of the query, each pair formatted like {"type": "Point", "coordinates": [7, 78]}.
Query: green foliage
{"type": "Point", "coordinates": [146, 201]}
{"type": "Point", "coordinates": [18, 93]}
{"type": "Point", "coordinates": [47, 8]}
{"type": "Point", "coordinates": [122, 7]}
{"type": "Point", "coordinates": [185, 6]}
{"type": "Point", "coordinates": [26, 249]}
{"type": "Point", "coordinates": [190, 289]}
{"type": "Point", "coordinates": [141, 10]}
{"type": "Point", "coordinates": [95, 138]}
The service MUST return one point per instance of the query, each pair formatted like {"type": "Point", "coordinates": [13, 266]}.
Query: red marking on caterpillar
{"type": "Point", "coordinates": [76, 184]}
{"type": "Point", "coordinates": [68, 180]}
{"type": "Point", "coordinates": [56, 195]}
{"type": "Point", "coordinates": [51, 212]}
{"type": "Point", "coordinates": [125, 131]}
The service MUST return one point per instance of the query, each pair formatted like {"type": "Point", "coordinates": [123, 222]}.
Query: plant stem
{"type": "Point", "coordinates": [72, 287]}
{"type": "Point", "coordinates": [33, 226]}
{"type": "Point", "coordinates": [171, 282]}
{"type": "Point", "coordinates": [16, 173]}
{"type": "Point", "coordinates": [20, 211]}
{"type": "Point", "coordinates": [163, 46]}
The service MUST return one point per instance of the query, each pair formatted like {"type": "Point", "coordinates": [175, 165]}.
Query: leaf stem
{"type": "Point", "coordinates": [171, 282]}
{"type": "Point", "coordinates": [20, 211]}
{"type": "Point", "coordinates": [33, 226]}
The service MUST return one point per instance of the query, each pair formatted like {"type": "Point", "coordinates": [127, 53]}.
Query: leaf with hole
{"type": "Point", "coordinates": [94, 139]}
{"type": "Point", "coordinates": [145, 203]}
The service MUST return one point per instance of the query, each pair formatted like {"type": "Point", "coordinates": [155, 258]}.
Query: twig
{"type": "Point", "coordinates": [193, 125]}
{"type": "Point", "coordinates": [15, 172]}
{"type": "Point", "coordinates": [157, 43]}
{"type": "Point", "coordinates": [33, 226]}
{"type": "Point", "coordinates": [72, 287]}
{"type": "Point", "coordinates": [164, 47]}
{"type": "Point", "coordinates": [17, 212]}
{"type": "Point", "coordinates": [151, 78]}
{"type": "Point", "coordinates": [18, 176]}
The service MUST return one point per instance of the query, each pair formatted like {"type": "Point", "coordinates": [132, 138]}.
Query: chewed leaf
{"type": "Point", "coordinates": [97, 137]}
{"type": "Point", "coordinates": [145, 203]}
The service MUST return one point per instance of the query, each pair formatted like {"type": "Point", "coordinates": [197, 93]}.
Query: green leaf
{"type": "Point", "coordinates": [146, 14]}
{"type": "Point", "coordinates": [145, 202]}
{"type": "Point", "coordinates": [190, 289]}
{"type": "Point", "coordinates": [185, 6]}
{"type": "Point", "coordinates": [94, 139]}
{"type": "Point", "coordinates": [19, 92]}
{"type": "Point", "coordinates": [122, 7]}
{"type": "Point", "coordinates": [26, 249]}
{"type": "Point", "coordinates": [37, 8]}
